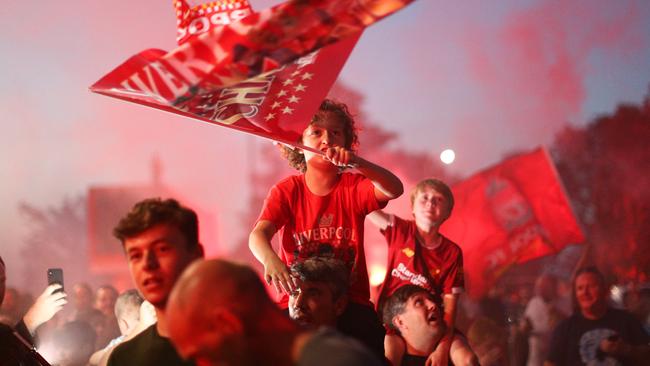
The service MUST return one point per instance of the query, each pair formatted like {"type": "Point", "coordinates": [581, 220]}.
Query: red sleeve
{"type": "Point", "coordinates": [395, 231]}
{"type": "Point", "coordinates": [454, 282]}
{"type": "Point", "coordinates": [276, 207]}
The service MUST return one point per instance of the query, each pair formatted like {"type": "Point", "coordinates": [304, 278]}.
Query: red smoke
{"type": "Point", "coordinates": [531, 70]}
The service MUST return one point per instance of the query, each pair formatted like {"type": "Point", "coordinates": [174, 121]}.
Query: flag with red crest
{"type": "Point", "coordinates": [262, 73]}
{"type": "Point", "coordinates": [509, 214]}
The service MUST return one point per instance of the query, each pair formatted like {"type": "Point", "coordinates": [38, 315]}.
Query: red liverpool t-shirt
{"type": "Point", "coordinates": [444, 263]}
{"type": "Point", "coordinates": [330, 225]}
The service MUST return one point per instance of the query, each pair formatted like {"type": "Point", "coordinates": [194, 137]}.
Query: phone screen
{"type": "Point", "coordinates": [55, 275]}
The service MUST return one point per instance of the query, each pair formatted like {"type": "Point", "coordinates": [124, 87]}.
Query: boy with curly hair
{"type": "Point", "coordinates": [321, 212]}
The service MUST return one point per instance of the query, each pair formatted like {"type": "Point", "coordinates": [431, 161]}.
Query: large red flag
{"type": "Point", "coordinates": [508, 214]}
{"type": "Point", "coordinates": [264, 74]}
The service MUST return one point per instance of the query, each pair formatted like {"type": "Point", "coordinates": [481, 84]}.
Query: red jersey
{"type": "Point", "coordinates": [408, 264]}
{"type": "Point", "coordinates": [330, 225]}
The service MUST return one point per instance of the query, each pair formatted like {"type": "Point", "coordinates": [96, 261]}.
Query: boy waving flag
{"type": "Point", "coordinates": [262, 73]}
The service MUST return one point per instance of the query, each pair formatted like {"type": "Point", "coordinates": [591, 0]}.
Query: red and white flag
{"type": "Point", "coordinates": [508, 214]}
{"type": "Point", "coordinates": [265, 73]}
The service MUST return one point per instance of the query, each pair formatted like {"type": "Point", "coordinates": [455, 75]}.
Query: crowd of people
{"type": "Point", "coordinates": [188, 310]}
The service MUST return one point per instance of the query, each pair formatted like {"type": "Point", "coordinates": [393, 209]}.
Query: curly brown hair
{"type": "Point", "coordinates": [296, 158]}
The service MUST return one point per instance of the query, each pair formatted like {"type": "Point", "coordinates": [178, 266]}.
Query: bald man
{"type": "Point", "coordinates": [220, 314]}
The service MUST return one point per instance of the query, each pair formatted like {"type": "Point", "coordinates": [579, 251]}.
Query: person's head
{"type": "Point", "coordinates": [589, 290]}
{"type": "Point", "coordinates": [160, 238]}
{"type": "Point", "coordinates": [332, 125]}
{"type": "Point", "coordinates": [322, 290]}
{"type": "Point", "coordinates": [105, 298]}
{"type": "Point", "coordinates": [431, 201]}
{"type": "Point", "coordinates": [546, 287]}
{"type": "Point", "coordinates": [127, 310]}
{"type": "Point", "coordinates": [82, 296]}
{"type": "Point", "coordinates": [414, 313]}
{"type": "Point", "coordinates": [214, 306]}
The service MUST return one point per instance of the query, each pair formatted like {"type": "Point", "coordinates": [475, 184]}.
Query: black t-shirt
{"type": "Point", "coordinates": [147, 349]}
{"type": "Point", "coordinates": [576, 340]}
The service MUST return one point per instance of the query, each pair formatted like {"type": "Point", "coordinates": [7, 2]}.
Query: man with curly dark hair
{"type": "Point", "coordinates": [321, 213]}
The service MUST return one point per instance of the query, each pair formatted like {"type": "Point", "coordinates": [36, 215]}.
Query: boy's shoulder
{"type": "Point", "coordinates": [450, 244]}
{"type": "Point", "coordinates": [291, 181]}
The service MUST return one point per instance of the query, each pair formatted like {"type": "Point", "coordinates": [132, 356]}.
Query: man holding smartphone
{"type": "Point", "coordinates": [16, 342]}
{"type": "Point", "coordinates": [160, 238]}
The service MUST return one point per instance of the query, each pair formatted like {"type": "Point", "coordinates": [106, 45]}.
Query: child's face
{"type": "Point", "coordinates": [323, 134]}
{"type": "Point", "coordinates": [430, 207]}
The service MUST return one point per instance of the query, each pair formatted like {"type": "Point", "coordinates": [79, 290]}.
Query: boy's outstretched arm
{"type": "Point", "coordinates": [380, 219]}
{"type": "Point", "coordinates": [387, 185]}
{"type": "Point", "coordinates": [275, 271]}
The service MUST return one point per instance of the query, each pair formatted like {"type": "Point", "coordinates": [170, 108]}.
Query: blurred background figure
{"type": "Point", "coordinates": [543, 315]}
{"type": "Point", "coordinates": [636, 299]}
{"type": "Point", "coordinates": [105, 298]}
{"type": "Point", "coordinates": [518, 333]}
{"type": "Point", "coordinates": [73, 343]}
{"type": "Point", "coordinates": [82, 304]}
{"type": "Point", "coordinates": [488, 339]}
{"type": "Point", "coordinates": [597, 334]}
{"type": "Point", "coordinates": [133, 316]}
{"type": "Point", "coordinates": [107, 329]}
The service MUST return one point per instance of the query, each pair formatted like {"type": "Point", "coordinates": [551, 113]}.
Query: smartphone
{"type": "Point", "coordinates": [55, 275]}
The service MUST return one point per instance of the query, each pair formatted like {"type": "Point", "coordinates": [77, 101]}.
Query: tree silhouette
{"type": "Point", "coordinates": [56, 237]}
{"type": "Point", "coordinates": [605, 169]}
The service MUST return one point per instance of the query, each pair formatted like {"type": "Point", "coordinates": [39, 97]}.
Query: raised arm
{"type": "Point", "coordinates": [275, 271]}
{"type": "Point", "coordinates": [45, 307]}
{"type": "Point", "coordinates": [380, 219]}
{"type": "Point", "coordinates": [387, 185]}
